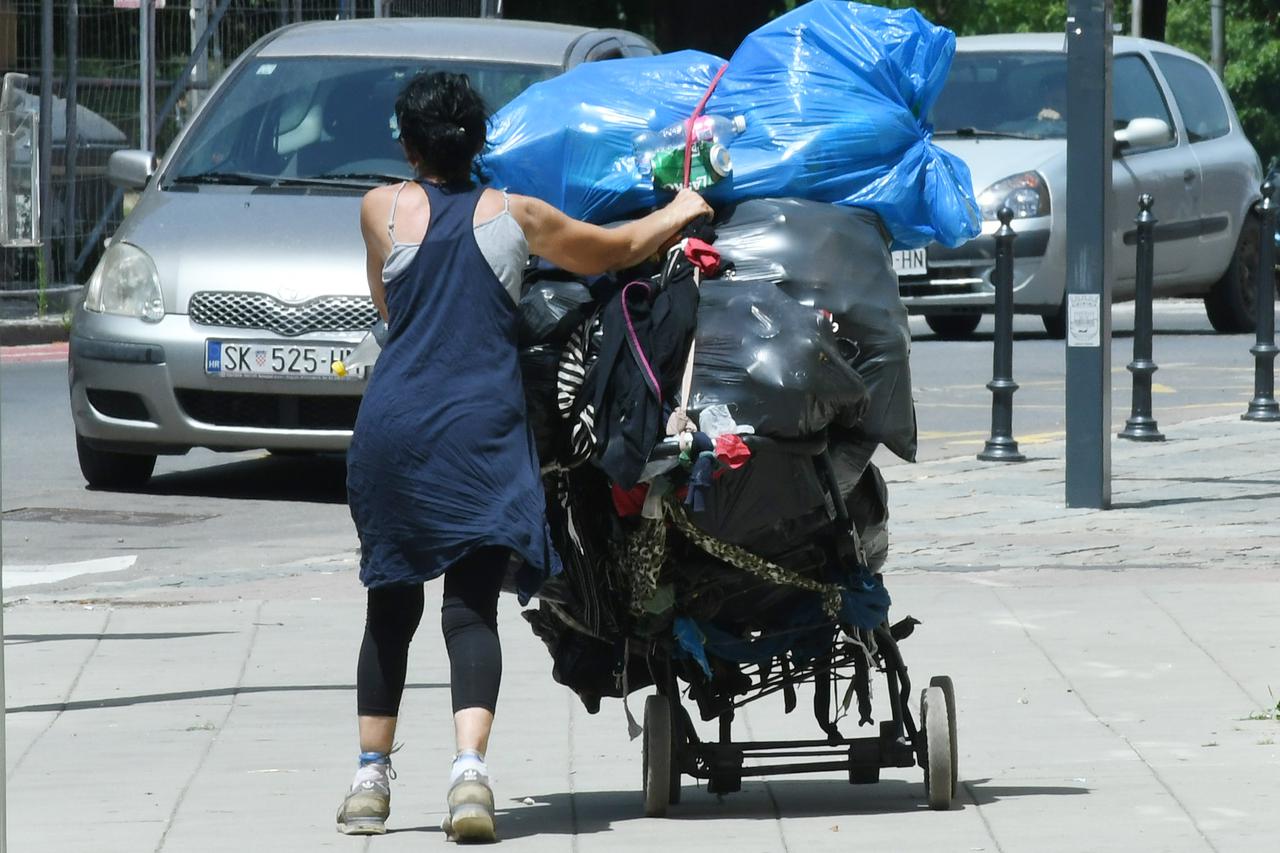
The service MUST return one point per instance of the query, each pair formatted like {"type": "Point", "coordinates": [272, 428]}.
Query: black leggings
{"type": "Point", "coordinates": [469, 618]}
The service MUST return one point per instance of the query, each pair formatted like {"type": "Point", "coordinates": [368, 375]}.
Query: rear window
{"type": "Point", "coordinates": [1199, 100]}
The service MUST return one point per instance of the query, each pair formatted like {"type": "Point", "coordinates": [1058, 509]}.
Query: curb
{"type": "Point", "coordinates": [33, 331]}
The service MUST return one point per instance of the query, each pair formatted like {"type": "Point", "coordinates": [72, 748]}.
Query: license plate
{"type": "Point", "coordinates": [910, 262]}
{"type": "Point", "coordinates": [276, 360]}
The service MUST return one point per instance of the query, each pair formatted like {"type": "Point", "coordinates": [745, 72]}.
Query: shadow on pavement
{"type": "Point", "coordinates": [316, 478]}
{"type": "Point", "coordinates": [187, 695]}
{"type": "Point", "coordinates": [590, 812]}
{"type": "Point", "coordinates": [22, 639]}
{"type": "Point", "coordinates": [982, 794]}
{"type": "Point", "coordinates": [1153, 503]}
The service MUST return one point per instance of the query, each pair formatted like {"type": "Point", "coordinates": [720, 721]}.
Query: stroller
{"type": "Point", "coordinates": [726, 562]}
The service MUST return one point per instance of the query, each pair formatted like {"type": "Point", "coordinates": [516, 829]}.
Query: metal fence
{"type": "Point", "coordinates": [128, 74]}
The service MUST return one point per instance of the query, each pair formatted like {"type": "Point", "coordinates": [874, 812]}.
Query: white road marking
{"type": "Point", "coordinates": [20, 575]}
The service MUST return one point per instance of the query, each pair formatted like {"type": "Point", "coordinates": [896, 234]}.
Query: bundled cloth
{"type": "Point", "coordinates": [828, 102]}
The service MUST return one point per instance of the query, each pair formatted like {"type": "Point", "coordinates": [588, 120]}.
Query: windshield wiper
{"type": "Point", "coordinates": [977, 133]}
{"type": "Point", "coordinates": [238, 178]}
{"type": "Point", "coordinates": [376, 177]}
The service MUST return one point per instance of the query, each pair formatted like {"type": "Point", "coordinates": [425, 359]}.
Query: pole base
{"type": "Point", "coordinates": [1141, 429]}
{"type": "Point", "coordinates": [1001, 449]}
{"type": "Point", "coordinates": [1262, 409]}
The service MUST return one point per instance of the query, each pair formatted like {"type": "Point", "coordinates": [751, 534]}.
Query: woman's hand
{"type": "Point", "coordinates": [688, 206]}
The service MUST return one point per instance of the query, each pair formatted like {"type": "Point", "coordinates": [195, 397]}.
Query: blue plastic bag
{"type": "Point", "coordinates": [834, 94]}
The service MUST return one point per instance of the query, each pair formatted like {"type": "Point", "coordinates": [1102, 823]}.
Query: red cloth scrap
{"type": "Point", "coordinates": [732, 450]}
{"type": "Point", "coordinates": [629, 502]}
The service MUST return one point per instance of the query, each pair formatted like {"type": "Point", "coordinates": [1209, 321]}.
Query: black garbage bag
{"type": "Point", "coordinates": [851, 453]}
{"type": "Point", "coordinates": [868, 505]}
{"type": "Point", "coordinates": [551, 307]}
{"type": "Point", "coordinates": [774, 362]}
{"type": "Point", "coordinates": [538, 368]}
{"type": "Point", "coordinates": [751, 506]}
{"type": "Point", "coordinates": [836, 258]}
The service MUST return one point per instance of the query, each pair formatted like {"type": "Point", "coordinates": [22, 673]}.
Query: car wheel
{"type": "Point", "coordinates": [105, 469]}
{"type": "Point", "coordinates": [1230, 303]}
{"type": "Point", "coordinates": [953, 327]}
{"type": "Point", "coordinates": [1055, 323]}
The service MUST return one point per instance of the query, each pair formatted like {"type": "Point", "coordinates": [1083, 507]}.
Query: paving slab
{"type": "Point", "coordinates": [1115, 673]}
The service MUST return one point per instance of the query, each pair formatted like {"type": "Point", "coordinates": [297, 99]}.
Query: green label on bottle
{"type": "Point", "coordinates": [668, 168]}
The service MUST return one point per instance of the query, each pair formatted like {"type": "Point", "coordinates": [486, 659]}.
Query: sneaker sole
{"type": "Point", "coordinates": [369, 826]}
{"type": "Point", "coordinates": [470, 824]}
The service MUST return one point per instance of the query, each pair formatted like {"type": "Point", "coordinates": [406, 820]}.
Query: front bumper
{"type": "Point", "coordinates": [959, 280]}
{"type": "Point", "coordinates": [142, 387]}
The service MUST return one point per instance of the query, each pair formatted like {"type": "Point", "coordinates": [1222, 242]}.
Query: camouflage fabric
{"type": "Point", "coordinates": [640, 561]}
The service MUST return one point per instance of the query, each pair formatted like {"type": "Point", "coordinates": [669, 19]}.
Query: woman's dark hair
{"type": "Point", "coordinates": [442, 121]}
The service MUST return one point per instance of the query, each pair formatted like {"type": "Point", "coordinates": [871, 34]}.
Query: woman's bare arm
{"type": "Point", "coordinates": [377, 243]}
{"type": "Point", "coordinates": [587, 249]}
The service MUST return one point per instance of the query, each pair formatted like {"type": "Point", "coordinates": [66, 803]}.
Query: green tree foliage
{"type": "Point", "coordinates": [1252, 50]}
{"type": "Point", "coordinates": [1252, 62]}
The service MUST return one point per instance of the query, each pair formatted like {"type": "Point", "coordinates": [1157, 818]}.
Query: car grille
{"type": "Point", "coordinates": [260, 311]}
{"type": "Point", "coordinates": [269, 411]}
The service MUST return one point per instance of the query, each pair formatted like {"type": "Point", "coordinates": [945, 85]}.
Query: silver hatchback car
{"type": "Point", "coordinates": [239, 277]}
{"type": "Point", "coordinates": [1177, 137]}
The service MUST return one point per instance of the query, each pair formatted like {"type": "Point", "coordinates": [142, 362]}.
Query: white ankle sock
{"type": "Point", "coordinates": [378, 774]}
{"type": "Point", "coordinates": [467, 760]}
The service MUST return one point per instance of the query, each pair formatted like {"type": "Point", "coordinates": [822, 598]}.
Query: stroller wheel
{"type": "Point", "coordinates": [935, 721]}
{"type": "Point", "coordinates": [657, 755]}
{"type": "Point", "coordinates": [949, 693]}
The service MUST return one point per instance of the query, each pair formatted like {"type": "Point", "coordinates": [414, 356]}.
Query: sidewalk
{"type": "Point", "coordinates": [1112, 670]}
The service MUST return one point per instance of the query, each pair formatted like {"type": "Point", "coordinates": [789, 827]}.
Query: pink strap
{"type": "Point", "coordinates": [688, 133]}
{"type": "Point", "coordinates": [635, 339]}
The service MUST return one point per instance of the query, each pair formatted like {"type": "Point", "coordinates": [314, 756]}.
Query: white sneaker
{"type": "Point", "coordinates": [367, 806]}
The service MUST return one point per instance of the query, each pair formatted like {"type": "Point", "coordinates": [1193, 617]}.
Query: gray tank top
{"type": "Point", "coordinates": [501, 241]}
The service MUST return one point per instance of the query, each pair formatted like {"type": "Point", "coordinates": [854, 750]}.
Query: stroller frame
{"type": "Point", "coordinates": [671, 747]}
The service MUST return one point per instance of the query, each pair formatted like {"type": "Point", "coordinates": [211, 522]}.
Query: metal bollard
{"type": "Point", "coordinates": [1001, 446]}
{"type": "Point", "coordinates": [1263, 406]}
{"type": "Point", "coordinates": [1141, 426]}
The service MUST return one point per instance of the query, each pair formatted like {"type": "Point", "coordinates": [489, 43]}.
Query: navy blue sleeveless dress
{"type": "Point", "coordinates": [442, 460]}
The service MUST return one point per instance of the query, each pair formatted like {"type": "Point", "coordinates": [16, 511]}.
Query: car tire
{"type": "Point", "coordinates": [106, 469]}
{"type": "Point", "coordinates": [1231, 301]}
{"type": "Point", "coordinates": [953, 327]}
{"type": "Point", "coordinates": [1055, 323]}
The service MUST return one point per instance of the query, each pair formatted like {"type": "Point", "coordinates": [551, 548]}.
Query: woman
{"type": "Point", "coordinates": [442, 473]}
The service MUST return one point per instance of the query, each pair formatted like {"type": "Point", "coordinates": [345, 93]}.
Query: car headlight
{"type": "Point", "coordinates": [125, 283]}
{"type": "Point", "coordinates": [1026, 194]}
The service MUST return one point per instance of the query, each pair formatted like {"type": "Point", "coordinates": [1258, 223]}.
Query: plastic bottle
{"type": "Point", "coordinates": [706, 128]}
{"type": "Point", "coordinates": [716, 130]}
{"type": "Point", "coordinates": [365, 353]}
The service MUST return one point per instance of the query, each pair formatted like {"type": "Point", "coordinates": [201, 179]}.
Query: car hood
{"type": "Point", "coordinates": [293, 244]}
{"type": "Point", "coordinates": [989, 160]}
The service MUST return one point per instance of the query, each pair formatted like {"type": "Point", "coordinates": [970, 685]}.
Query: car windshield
{"type": "Point", "coordinates": [1004, 94]}
{"type": "Point", "coordinates": [321, 118]}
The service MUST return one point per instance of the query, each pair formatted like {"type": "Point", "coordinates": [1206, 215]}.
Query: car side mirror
{"type": "Point", "coordinates": [130, 169]}
{"type": "Point", "coordinates": [1142, 133]}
